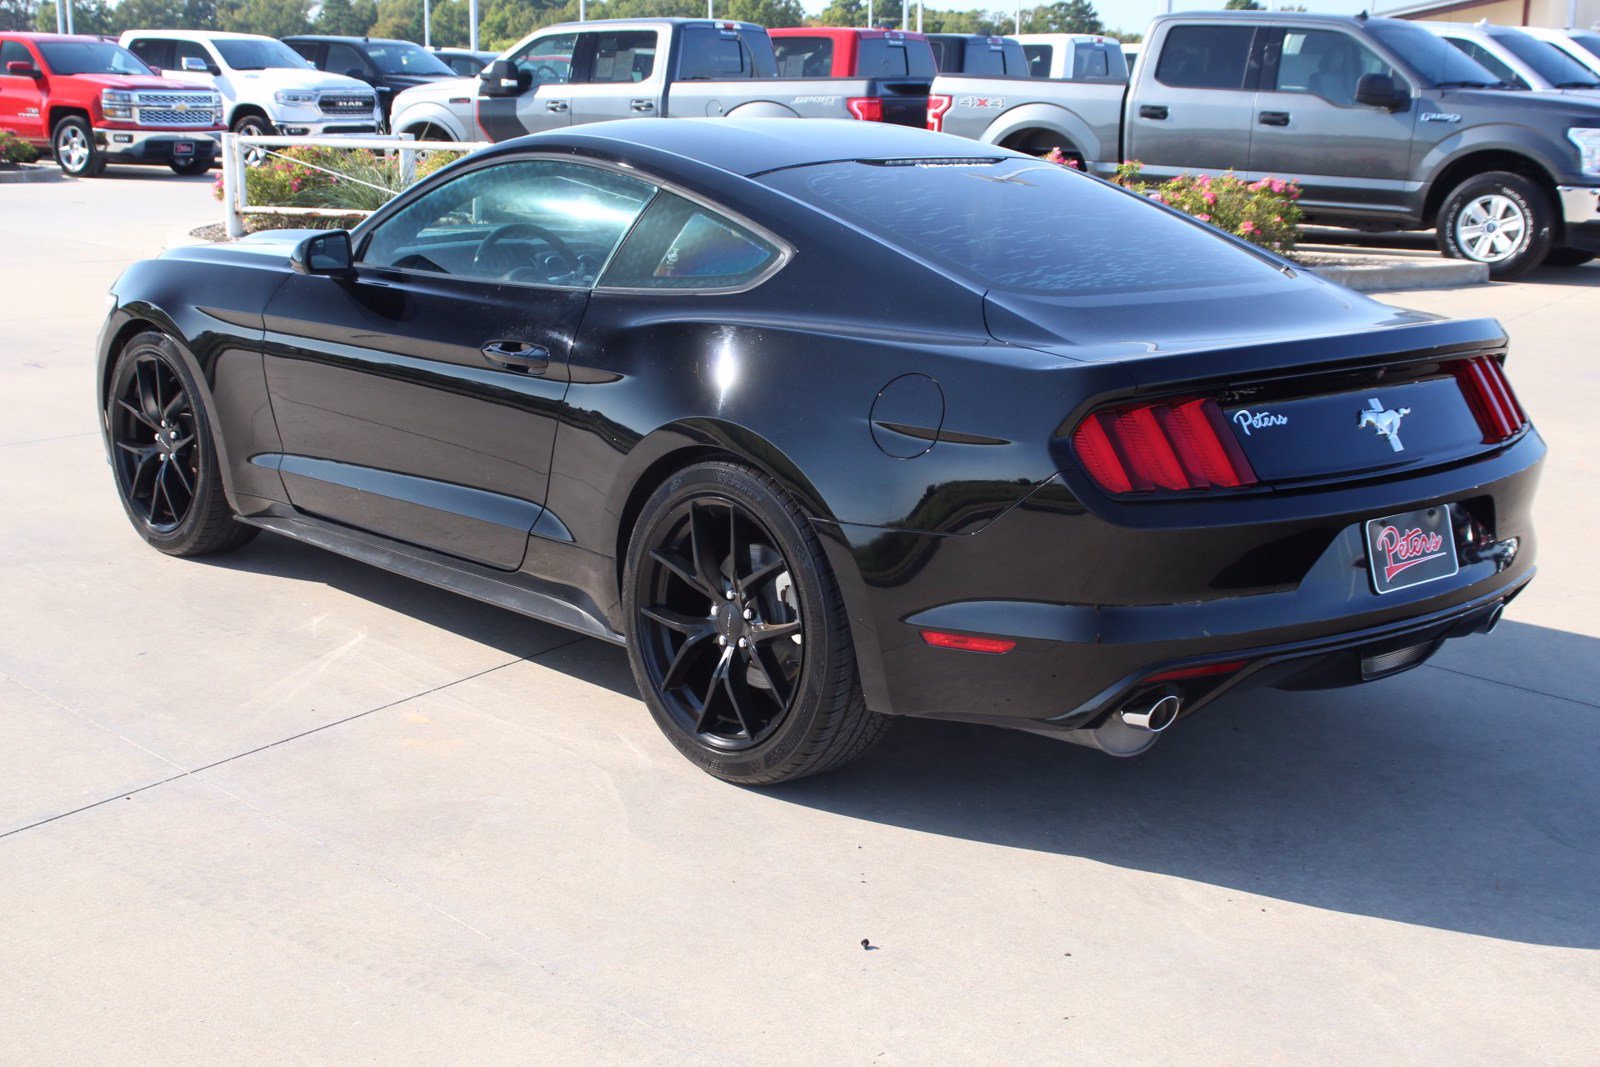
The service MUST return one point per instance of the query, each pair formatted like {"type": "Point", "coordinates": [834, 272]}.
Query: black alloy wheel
{"type": "Point", "coordinates": [163, 456]}
{"type": "Point", "coordinates": [737, 633]}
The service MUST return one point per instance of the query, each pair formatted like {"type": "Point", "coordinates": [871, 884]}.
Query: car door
{"type": "Point", "coordinates": [1309, 127]}
{"type": "Point", "coordinates": [621, 76]}
{"type": "Point", "coordinates": [543, 100]}
{"type": "Point", "coordinates": [418, 398]}
{"type": "Point", "coordinates": [21, 101]}
{"type": "Point", "coordinates": [1195, 112]}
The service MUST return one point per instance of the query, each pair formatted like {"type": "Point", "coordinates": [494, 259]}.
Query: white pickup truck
{"type": "Point", "coordinates": [636, 68]}
{"type": "Point", "coordinates": [266, 87]}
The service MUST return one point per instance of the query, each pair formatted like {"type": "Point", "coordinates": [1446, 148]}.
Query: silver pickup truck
{"type": "Point", "coordinates": [1383, 125]}
{"type": "Point", "coordinates": [632, 68]}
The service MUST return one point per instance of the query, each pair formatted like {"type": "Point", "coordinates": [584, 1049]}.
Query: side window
{"type": "Point", "coordinates": [310, 49]}
{"type": "Point", "coordinates": [1205, 57]}
{"type": "Point", "coordinates": [681, 245]}
{"type": "Point", "coordinates": [1489, 60]}
{"type": "Point", "coordinates": [155, 53]}
{"type": "Point", "coordinates": [182, 50]}
{"type": "Point", "coordinates": [1327, 64]}
{"type": "Point", "coordinates": [342, 59]}
{"type": "Point", "coordinates": [1038, 59]}
{"type": "Point", "coordinates": [547, 60]}
{"type": "Point", "coordinates": [625, 57]}
{"type": "Point", "coordinates": [803, 57]}
{"type": "Point", "coordinates": [533, 222]}
{"type": "Point", "coordinates": [14, 52]}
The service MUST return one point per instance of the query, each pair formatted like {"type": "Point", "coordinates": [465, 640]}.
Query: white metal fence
{"type": "Point", "coordinates": [235, 188]}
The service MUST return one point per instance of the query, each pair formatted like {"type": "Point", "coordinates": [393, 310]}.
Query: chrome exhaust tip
{"type": "Point", "coordinates": [1493, 620]}
{"type": "Point", "coordinates": [1154, 716]}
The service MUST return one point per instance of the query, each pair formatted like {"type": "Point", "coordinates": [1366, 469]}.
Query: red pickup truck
{"type": "Point", "coordinates": [92, 102]}
{"type": "Point", "coordinates": [901, 62]}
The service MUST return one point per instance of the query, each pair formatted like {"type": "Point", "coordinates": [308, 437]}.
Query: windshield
{"type": "Point", "coordinates": [91, 57]}
{"type": "Point", "coordinates": [401, 57]}
{"type": "Point", "coordinates": [259, 55]}
{"type": "Point", "coordinates": [1589, 42]}
{"type": "Point", "coordinates": [1435, 58]}
{"type": "Point", "coordinates": [1022, 225]}
{"type": "Point", "coordinates": [1552, 64]}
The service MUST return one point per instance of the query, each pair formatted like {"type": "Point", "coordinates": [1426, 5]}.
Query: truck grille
{"type": "Point", "coordinates": [152, 116]}
{"type": "Point", "coordinates": [176, 109]}
{"type": "Point", "coordinates": [346, 103]}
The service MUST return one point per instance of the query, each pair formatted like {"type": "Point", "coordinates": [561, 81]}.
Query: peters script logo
{"type": "Point", "coordinates": [1402, 550]}
{"type": "Point", "coordinates": [1387, 423]}
{"type": "Point", "coordinates": [1258, 420]}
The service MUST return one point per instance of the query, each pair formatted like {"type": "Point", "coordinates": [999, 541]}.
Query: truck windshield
{"type": "Point", "coordinates": [403, 57]}
{"type": "Point", "coordinates": [1022, 225]}
{"type": "Point", "coordinates": [246, 54]}
{"type": "Point", "coordinates": [1552, 64]}
{"type": "Point", "coordinates": [91, 57]}
{"type": "Point", "coordinates": [1430, 56]}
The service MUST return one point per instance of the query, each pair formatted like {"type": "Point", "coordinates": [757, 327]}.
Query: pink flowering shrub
{"type": "Point", "coordinates": [299, 177]}
{"type": "Point", "coordinates": [14, 149]}
{"type": "Point", "coordinates": [1264, 212]}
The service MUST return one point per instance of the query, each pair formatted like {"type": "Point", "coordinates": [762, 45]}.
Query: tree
{"type": "Point", "coordinates": [1244, 5]}
{"type": "Point", "coordinates": [346, 18]}
{"type": "Point", "coordinates": [88, 16]}
{"type": "Point", "coordinates": [18, 15]}
{"type": "Point", "coordinates": [400, 19]}
{"type": "Point", "coordinates": [271, 18]}
{"type": "Point", "coordinates": [1064, 16]}
{"type": "Point", "coordinates": [843, 13]}
{"type": "Point", "coordinates": [769, 13]}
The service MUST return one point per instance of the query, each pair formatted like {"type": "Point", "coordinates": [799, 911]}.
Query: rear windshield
{"type": "Point", "coordinates": [91, 57]}
{"type": "Point", "coordinates": [1553, 65]}
{"type": "Point", "coordinates": [889, 57]}
{"type": "Point", "coordinates": [402, 57]}
{"type": "Point", "coordinates": [996, 57]}
{"type": "Point", "coordinates": [1099, 62]}
{"type": "Point", "coordinates": [716, 53]}
{"type": "Point", "coordinates": [1023, 225]}
{"type": "Point", "coordinates": [804, 57]}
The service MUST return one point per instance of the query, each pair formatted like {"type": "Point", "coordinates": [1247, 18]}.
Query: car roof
{"type": "Point", "coordinates": [748, 147]}
{"type": "Point", "coordinates": [50, 38]}
{"type": "Point", "coordinates": [1351, 21]}
{"type": "Point", "coordinates": [199, 35]}
{"type": "Point", "coordinates": [343, 38]}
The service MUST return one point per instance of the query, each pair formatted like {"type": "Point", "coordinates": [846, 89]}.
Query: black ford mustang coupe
{"type": "Point", "coordinates": [834, 422]}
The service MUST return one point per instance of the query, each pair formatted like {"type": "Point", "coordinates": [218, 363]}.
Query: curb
{"type": "Point", "coordinates": [1384, 278]}
{"type": "Point", "coordinates": [45, 173]}
{"type": "Point", "coordinates": [183, 238]}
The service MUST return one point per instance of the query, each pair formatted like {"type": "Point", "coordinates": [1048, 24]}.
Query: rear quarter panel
{"type": "Point", "coordinates": [1084, 117]}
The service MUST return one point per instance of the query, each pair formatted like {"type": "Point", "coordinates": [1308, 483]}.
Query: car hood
{"type": "Point", "coordinates": [133, 81]}
{"type": "Point", "coordinates": [440, 91]}
{"type": "Point", "coordinates": [1545, 109]}
{"type": "Point", "coordinates": [285, 78]}
{"type": "Point", "coordinates": [401, 82]}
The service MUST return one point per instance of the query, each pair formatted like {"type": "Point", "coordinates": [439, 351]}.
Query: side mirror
{"type": "Point", "coordinates": [1379, 90]}
{"type": "Point", "coordinates": [501, 78]}
{"type": "Point", "coordinates": [21, 68]}
{"type": "Point", "coordinates": [324, 253]}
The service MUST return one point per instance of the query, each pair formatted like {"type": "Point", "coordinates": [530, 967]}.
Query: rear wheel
{"type": "Point", "coordinates": [74, 148]}
{"type": "Point", "coordinates": [190, 167]}
{"type": "Point", "coordinates": [1567, 257]}
{"type": "Point", "coordinates": [737, 634]}
{"type": "Point", "coordinates": [163, 455]}
{"type": "Point", "coordinates": [1501, 219]}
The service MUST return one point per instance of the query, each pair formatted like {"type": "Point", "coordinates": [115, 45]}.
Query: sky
{"type": "Point", "coordinates": [1134, 15]}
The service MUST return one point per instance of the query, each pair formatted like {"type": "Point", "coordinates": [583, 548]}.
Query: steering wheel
{"type": "Point", "coordinates": [485, 257]}
{"type": "Point", "coordinates": [545, 74]}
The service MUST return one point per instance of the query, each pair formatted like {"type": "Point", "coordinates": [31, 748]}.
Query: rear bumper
{"type": "Point", "coordinates": [1580, 210]}
{"type": "Point", "coordinates": [156, 146]}
{"type": "Point", "coordinates": [1097, 608]}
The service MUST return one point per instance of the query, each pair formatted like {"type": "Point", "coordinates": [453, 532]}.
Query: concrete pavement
{"type": "Point", "coordinates": [282, 805]}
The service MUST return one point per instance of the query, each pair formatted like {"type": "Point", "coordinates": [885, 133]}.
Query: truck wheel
{"type": "Point", "coordinates": [190, 167]}
{"type": "Point", "coordinates": [1567, 257]}
{"type": "Point", "coordinates": [254, 126]}
{"type": "Point", "coordinates": [1499, 218]}
{"type": "Point", "coordinates": [75, 151]}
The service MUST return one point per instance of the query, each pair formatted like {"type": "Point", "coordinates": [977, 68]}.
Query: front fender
{"type": "Point", "coordinates": [435, 113]}
{"type": "Point", "coordinates": [1527, 141]}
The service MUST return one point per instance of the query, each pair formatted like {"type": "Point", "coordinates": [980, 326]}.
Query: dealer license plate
{"type": "Point", "coordinates": [1411, 549]}
{"type": "Point", "coordinates": [183, 148]}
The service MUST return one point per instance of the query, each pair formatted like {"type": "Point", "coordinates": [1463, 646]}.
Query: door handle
{"type": "Point", "coordinates": [643, 105]}
{"type": "Point", "coordinates": [555, 105]}
{"type": "Point", "coordinates": [517, 355]}
{"type": "Point", "coordinates": [1152, 111]}
{"type": "Point", "coordinates": [1274, 118]}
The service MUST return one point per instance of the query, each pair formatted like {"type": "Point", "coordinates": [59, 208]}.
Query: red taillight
{"type": "Point", "coordinates": [968, 643]}
{"type": "Point", "coordinates": [1483, 382]}
{"type": "Point", "coordinates": [938, 104]}
{"type": "Point", "coordinates": [1198, 672]}
{"type": "Point", "coordinates": [866, 108]}
{"type": "Point", "coordinates": [1179, 444]}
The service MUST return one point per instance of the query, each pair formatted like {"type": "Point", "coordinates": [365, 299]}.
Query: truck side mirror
{"type": "Point", "coordinates": [324, 253]}
{"type": "Point", "coordinates": [1379, 90]}
{"type": "Point", "coordinates": [501, 78]}
{"type": "Point", "coordinates": [21, 68]}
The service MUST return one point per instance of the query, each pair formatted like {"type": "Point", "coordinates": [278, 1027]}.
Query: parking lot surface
{"type": "Point", "coordinates": [281, 804]}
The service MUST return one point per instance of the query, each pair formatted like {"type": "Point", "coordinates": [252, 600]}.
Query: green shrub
{"type": "Point", "coordinates": [14, 149]}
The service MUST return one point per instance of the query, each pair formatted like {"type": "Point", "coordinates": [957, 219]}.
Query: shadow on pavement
{"type": "Point", "coordinates": [1434, 798]}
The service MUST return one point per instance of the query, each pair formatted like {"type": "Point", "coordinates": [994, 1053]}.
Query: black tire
{"type": "Point", "coordinates": [788, 591]}
{"type": "Point", "coordinates": [1475, 223]}
{"type": "Point", "coordinates": [72, 142]}
{"type": "Point", "coordinates": [162, 447]}
{"type": "Point", "coordinates": [251, 124]}
{"type": "Point", "coordinates": [188, 168]}
{"type": "Point", "coordinates": [1567, 257]}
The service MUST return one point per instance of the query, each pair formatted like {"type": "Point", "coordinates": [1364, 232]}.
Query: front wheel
{"type": "Point", "coordinates": [736, 631]}
{"type": "Point", "coordinates": [188, 168]}
{"type": "Point", "coordinates": [1501, 219]}
{"type": "Point", "coordinates": [75, 151]}
{"type": "Point", "coordinates": [253, 126]}
{"type": "Point", "coordinates": [163, 455]}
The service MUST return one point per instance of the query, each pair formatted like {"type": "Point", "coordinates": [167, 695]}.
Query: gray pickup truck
{"type": "Point", "coordinates": [1384, 125]}
{"type": "Point", "coordinates": [635, 68]}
